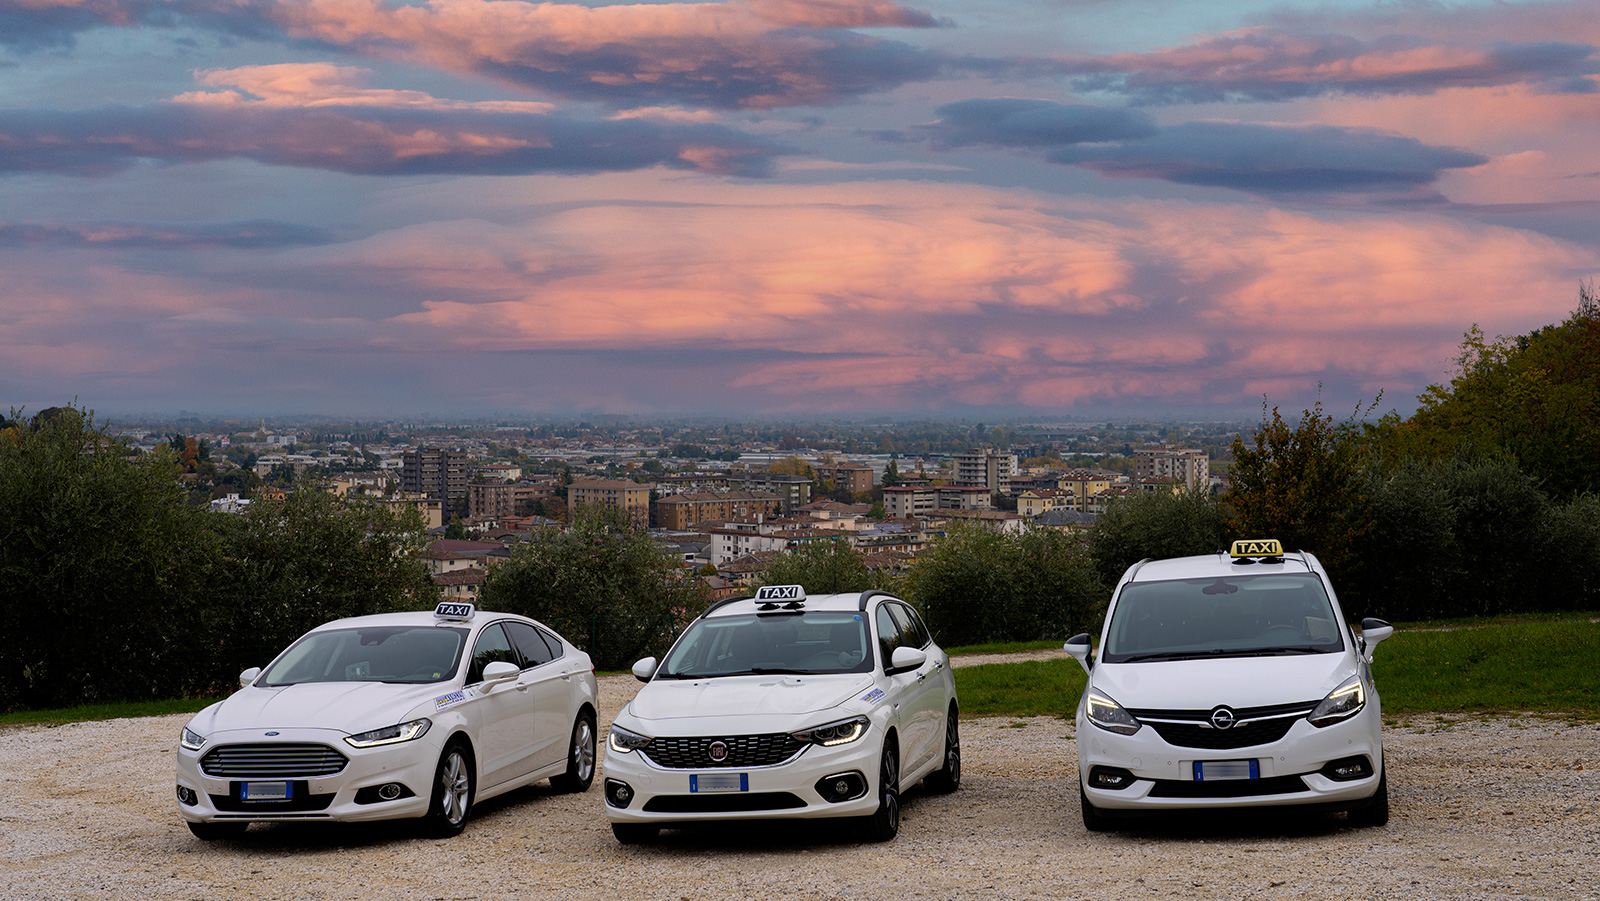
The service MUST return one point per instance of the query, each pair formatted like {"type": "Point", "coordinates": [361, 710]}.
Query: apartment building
{"type": "Point", "coordinates": [914, 501]}
{"type": "Point", "coordinates": [793, 491]}
{"type": "Point", "coordinates": [1189, 466]}
{"type": "Point", "coordinates": [632, 498]}
{"type": "Point", "coordinates": [1036, 501]}
{"type": "Point", "coordinates": [686, 511]}
{"type": "Point", "coordinates": [856, 477]}
{"type": "Point", "coordinates": [499, 500]}
{"type": "Point", "coordinates": [989, 468]}
{"type": "Point", "coordinates": [437, 473]}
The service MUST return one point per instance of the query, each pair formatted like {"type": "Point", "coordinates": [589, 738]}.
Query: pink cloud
{"type": "Point", "coordinates": [305, 85]}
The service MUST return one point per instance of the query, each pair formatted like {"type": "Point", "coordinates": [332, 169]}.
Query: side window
{"type": "Point", "coordinates": [888, 635]}
{"type": "Point", "coordinates": [916, 635]}
{"type": "Point", "coordinates": [492, 647]}
{"type": "Point", "coordinates": [556, 650]}
{"type": "Point", "coordinates": [535, 651]}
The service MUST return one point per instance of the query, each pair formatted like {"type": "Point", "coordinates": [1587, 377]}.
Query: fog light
{"type": "Point", "coordinates": [389, 791]}
{"type": "Point", "coordinates": [1348, 769]}
{"type": "Point", "coordinates": [619, 794]}
{"type": "Point", "coordinates": [1110, 778]}
{"type": "Point", "coordinates": [841, 787]}
{"type": "Point", "coordinates": [187, 796]}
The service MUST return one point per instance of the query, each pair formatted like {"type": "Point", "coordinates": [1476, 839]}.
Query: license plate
{"type": "Point", "coordinates": [719, 782]}
{"type": "Point", "coordinates": [265, 791]}
{"type": "Point", "coordinates": [1223, 770]}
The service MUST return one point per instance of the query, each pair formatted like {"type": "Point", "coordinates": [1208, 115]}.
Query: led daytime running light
{"type": "Point", "coordinates": [191, 740]}
{"type": "Point", "coordinates": [390, 735]}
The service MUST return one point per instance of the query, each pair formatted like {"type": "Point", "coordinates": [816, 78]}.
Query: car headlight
{"type": "Point", "coordinates": [390, 735]}
{"type": "Point", "coordinates": [1109, 715]}
{"type": "Point", "coordinates": [622, 741]}
{"type": "Point", "coordinates": [841, 732]}
{"type": "Point", "coordinates": [191, 740]}
{"type": "Point", "coordinates": [1342, 703]}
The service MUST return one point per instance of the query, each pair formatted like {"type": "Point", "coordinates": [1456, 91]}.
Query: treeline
{"type": "Point", "coordinates": [114, 587]}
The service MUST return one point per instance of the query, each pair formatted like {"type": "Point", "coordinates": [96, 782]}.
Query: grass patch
{"type": "Point", "coordinates": [1508, 665]}
{"type": "Point", "coordinates": [1004, 647]}
{"type": "Point", "coordinates": [92, 712]}
{"type": "Point", "coordinates": [1029, 688]}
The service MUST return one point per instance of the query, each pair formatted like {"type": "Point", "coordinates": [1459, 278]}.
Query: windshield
{"type": "Point", "coordinates": [810, 643]}
{"type": "Point", "coordinates": [1230, 616]}
{"type": "Point", "coordinates": [411, 654]}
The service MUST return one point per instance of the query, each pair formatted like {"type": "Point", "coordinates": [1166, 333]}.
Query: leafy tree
{"type": "Point", "coordinates": [977, 585]}
{"type": "Point", "coordinates": [1301, 484]}
{"type": "Point", "coordinates": [454, 530]}
{"type": "Point", "coordinates": [97, 547]}
{"type": "Point", "coordinates": [826, 567]}
{"type": "Point", "coordinates": [1154, 524]}
{"type": "Point", "coordinates": [602, 583]}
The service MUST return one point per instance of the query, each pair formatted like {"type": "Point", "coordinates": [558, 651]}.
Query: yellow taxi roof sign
{"type": "Point", "coordinates": [1257, 547]}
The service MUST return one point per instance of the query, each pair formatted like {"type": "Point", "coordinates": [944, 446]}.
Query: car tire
{"type": "Point", "coordinates": [1093, 819]}
{"type": "Point", "coordinates": [947, 778]}
{"type": "Point", "coordinates": [453, 791]}
{"type": "Point", "coordinates": [1376, 812]}
{"type": "Point", "coordinates": [211, 832]}
{"type": "Point", "coordinates": [884, 824]}
{"type": "Point", "coordinates": [634, 833]}
{"type": "Point", "coordinates": [580, 757]}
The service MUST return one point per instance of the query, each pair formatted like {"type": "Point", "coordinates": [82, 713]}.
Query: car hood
{"type": "Point", "coordinates": [726, 696]}
{"type": "Point", "coordinates": [345, 706]}
{"type": "Point", "coordinates": [1232, 681]}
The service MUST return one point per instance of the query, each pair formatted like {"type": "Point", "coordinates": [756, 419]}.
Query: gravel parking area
{"type": "Point", "coordinates": [1507, 808]}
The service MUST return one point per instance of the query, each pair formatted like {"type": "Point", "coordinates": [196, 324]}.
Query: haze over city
{"type": "Point", "coordinates": [782, 207]}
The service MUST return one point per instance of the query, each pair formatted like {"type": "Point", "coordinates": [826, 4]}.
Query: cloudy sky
{"type": "Point", "coordinates": [785, 207]}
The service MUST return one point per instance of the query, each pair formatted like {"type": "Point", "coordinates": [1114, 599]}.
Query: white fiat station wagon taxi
{"type": "Point", "coordinates": [400, 715]}
{"type": "Point", "coordinates": [784, 705]}
{"type": "Point", "coordinates": [1230, 680]}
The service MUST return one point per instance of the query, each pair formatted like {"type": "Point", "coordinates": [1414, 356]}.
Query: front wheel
{"type": "Point", "coordinates": [452, 793]}
{"type": "Point", "coordinates": [947, 778]}
{"type": "Point", "coordinates": [580, 757]}
{"type": "Point", "coordinates": [1376, 813]}
{"type": "Point", "coordinates": [1093, 819]}
{"type": "Point", "coordinates": [211, 832]}
{"type": "Point", "coordinates": [884, 825]}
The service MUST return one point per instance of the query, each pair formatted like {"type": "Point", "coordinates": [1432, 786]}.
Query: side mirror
{"type": "Point", "coordinates": [905, 658]}
{"type": "Point", "coordinates": [497, 672]}
{"type": "Point", "coordinates": [248, 676]}
{"type": "Point", "coordinates": [1077, 647]}
{"type": "Point", "coordinates": [645, 669]}
{"type": "Point", "coordinates": [1372, 632]}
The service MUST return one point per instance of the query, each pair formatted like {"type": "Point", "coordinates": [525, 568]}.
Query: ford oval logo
{"type": "Point", "coordinates": [271, 733]}
{"type": "Point", "coordinates": [718, 751]}
{"type": "Point", "coordinates": [1222, 718]}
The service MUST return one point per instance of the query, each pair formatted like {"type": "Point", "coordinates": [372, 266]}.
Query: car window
{"type": "Point", "coordinates": [912, 632]}
{"type": "Point", "coordinates": [809, 643]}
{"type": "Point", "coordinates": [492, 647]}
{"type": "Point", "coordinates": [416, 654]}
{"type": "Point", "coordinates": [889, 636]}
{"type": "Point", "coordinates": [536, 650]}
{"type": "Point", "coordinates": [1287, 613]}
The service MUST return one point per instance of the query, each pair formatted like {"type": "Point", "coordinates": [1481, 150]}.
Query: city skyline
{"type": "Point", "coordinates": [782, 208]}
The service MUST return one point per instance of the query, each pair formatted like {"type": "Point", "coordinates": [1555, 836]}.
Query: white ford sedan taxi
{"type": "Point", "coordinates": [1230, 681]}
{"type": "Point", "coordinates": [392, 716]}
{"type": "Point", "coordinates": [784, 706]}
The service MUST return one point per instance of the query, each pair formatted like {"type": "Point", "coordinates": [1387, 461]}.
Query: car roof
{"type": "Point", "coordinates": [1212, 565]}
{"type": "Point", "coordinates": [415, 618]}
{"type": "Point", "coordinates": [849, 601]}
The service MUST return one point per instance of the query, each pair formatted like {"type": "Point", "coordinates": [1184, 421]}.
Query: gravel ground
{"type": "Point", "coordinates": [1504, 808]}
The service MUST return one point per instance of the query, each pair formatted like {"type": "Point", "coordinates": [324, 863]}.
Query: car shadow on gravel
{"type": "Point", "coordinates": [1209, 825]}
{"type": "Point", "coordinates": [762, 836]}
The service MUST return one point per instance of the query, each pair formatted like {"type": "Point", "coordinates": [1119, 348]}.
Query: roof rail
{"type": "Point", "coordinates": [715, 605]}
{"type": "Point", "coordinates": [872, 593]}
{"type": "Point", "coordinates": [1134, 570]}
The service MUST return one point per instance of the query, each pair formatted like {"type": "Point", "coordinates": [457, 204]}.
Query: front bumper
{"type": "Point", "coordinates": [216, 799]}
{"type": "Point", "coordinates": [789, 790]}
{"type": "Point", "coordinates": [1294, 770]}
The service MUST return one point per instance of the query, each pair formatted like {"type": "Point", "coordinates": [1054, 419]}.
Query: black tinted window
{"type": "Point", "coordinates": [915, 634]}
{"type": "Point", "coordinates": [532, 643]}
{"type": "Point", "coordinates": [492, 647]}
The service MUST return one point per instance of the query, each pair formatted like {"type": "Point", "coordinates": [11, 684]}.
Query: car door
{"type": "Point", "coordinates": [908, 692]}
{"type": "Point", "coordinates": [548, 684]}
{"type": "Point", "coordinates": [506, 714]}
{"type": "Point", "coordinates": [927, 707]}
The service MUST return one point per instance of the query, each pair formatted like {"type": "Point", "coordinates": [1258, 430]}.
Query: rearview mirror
{"type": "Point", "coordinates": [905, 658]}
{"type": "Point", "coordinates": [1372, 632]}
{"type": "Point", "coordinates": [497, 672]}
{"type": "Point", "coordinates": [249, 676]}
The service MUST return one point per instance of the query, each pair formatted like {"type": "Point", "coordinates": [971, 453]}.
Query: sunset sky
{"type": "Point", "coordinates": [782, 207]}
